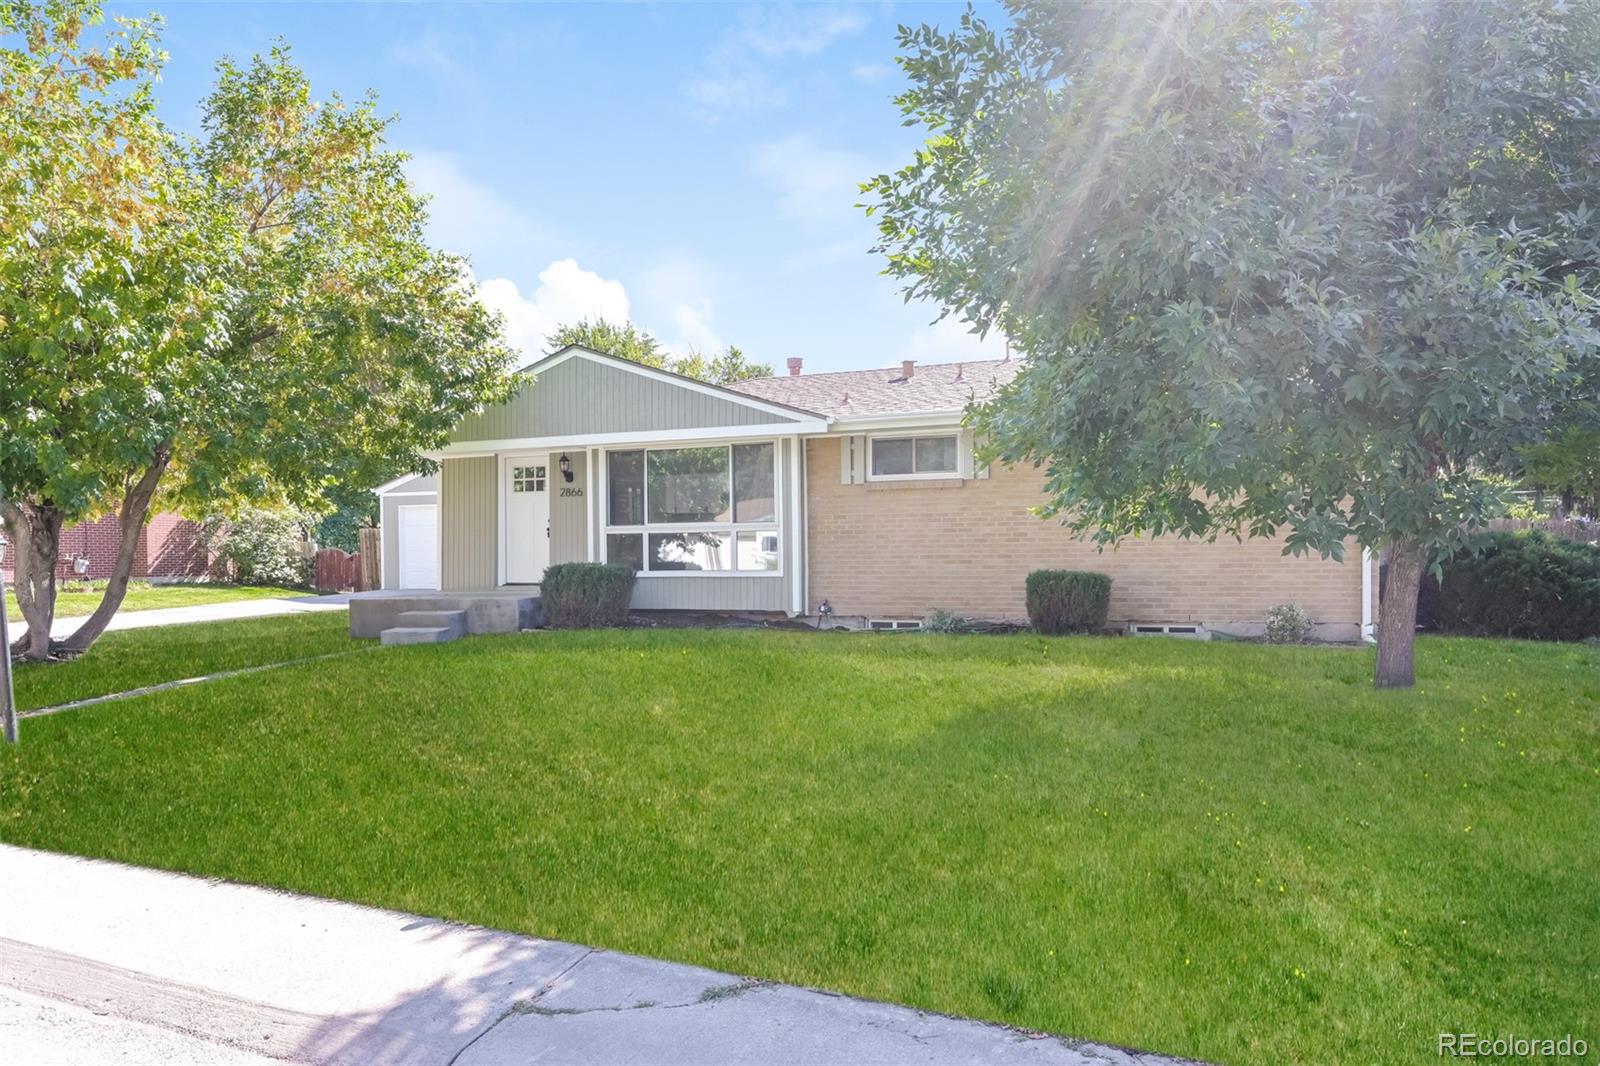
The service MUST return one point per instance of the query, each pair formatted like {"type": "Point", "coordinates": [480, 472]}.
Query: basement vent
{"type": "Point", "coordinates": [894, 623]}
{"type": "Point", "coordinates": [1189, 630]}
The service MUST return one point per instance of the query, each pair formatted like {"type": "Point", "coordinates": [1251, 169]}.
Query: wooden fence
{"type": "Point", "coordinates": [369, 548]}
{"type": "Point", "coordinates": [333, 570]}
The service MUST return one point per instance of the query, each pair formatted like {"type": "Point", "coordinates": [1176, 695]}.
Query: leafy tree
{"type": "Point", "coordinates": [628, 341]}
{"type": "Point", "coordinates": [1289, 269]}
{"type": "Point", "coordinates": [1568, 466]}
{"type": "Point", "coordinates": [251, 317]}
{"type": "Point", "coordinates": [346, 511]}
{"type": "Point", "coordinates": [722, 368]}
{"type": "Point", "coordinates": [623, 340]}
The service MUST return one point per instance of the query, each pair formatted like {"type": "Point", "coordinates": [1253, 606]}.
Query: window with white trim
{"type": "Point", "coordinates": [930, 456]}
{"type": "Point", "coordinates": [527, 479]}
{"type": "Point", "coordinates": [704, 509]}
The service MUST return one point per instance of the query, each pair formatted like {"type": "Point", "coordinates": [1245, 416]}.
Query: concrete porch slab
{"type": "Point", "coordinates": [487, 610]}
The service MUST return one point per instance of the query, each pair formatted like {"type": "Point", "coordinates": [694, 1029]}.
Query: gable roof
{"type": "Point", "coordinates": [580, 393]}
{"type": "Point", "coordinates": [936, 388]}
{"type": "Point", "coordinates": [561, 355]}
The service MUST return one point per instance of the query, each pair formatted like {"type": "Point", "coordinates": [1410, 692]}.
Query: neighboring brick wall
{"type": "Point", "coordinates": [169, 546]}
{"type": "Point", "coordinates": [172, 548]}
{"type": "Point", "coordinates": [901, 549]}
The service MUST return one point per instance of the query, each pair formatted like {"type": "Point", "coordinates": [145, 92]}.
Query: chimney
{"type": "Point", "coordinates": [794, 366]}
{"type": "Point", "coordinates": [906, 367]}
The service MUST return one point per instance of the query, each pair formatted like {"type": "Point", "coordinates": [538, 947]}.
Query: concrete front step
{"type": "Point", "coordinates": [419, 635]}
{"type": "Point", "coordinates": [455, 621]}
{"type": "Point", "coordinates": [487, 611]}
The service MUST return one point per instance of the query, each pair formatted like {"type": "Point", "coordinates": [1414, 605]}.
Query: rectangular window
{"type": "Point", "coordinates": [757, 550]}
{"type": "Point", "coordinates": [527, 479]}
{"type": "Point", "coordinates": [690, 551]}
{"type": "Point", "coordinates": [914, 457]}
{"type": "Point", "coordinates": [625, 549]}
{"type": "Point", "coordinates": [625, 491]}
{"type": "Point", "coordinates": [704, 509]}
{"type": "Point", "coordinates": [687, 485]}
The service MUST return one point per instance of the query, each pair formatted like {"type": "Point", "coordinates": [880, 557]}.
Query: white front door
{"type": "Point", "coordinates": [418, 546]}
{"type": "Point", "coordinates": [527, 518]}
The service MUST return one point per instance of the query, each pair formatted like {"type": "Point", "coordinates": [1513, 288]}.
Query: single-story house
{"type": "Point", "coordinates": [853, 496]}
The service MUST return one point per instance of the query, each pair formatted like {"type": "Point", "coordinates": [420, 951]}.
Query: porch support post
{"type": "Point", "coordinates": [796, 535]}
{"type": "Point", "coordinates": [591, 510]}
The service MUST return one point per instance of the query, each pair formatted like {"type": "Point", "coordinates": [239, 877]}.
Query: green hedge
{"type": "Point", "coordinates": [1530, 585]}
{"type": "Point", "coordinates": [586, 595]}
{"type": "Point", "coordinates": [1068, 601]}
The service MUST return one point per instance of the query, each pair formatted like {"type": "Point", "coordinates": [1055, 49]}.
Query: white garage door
{"type": "Point", "coordinates": [418, 548]}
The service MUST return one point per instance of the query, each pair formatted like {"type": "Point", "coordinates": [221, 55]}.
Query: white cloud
{"type": "Point", "coordinates": [813, 182]}
{"type": "Point", "coordinates": [738, 73]}
{"type": "Point", "coordinates": [692, 325]}
{"type": "Point", "coordinates": [790, 29]}
{"type": "Point", "coordinates": [950, 340]}
{"type": "Point", "coordinates": [426, 50]}
{"type": "Point", "coordinates": [465, 215]}
{"type": "Point", "coordinates": [727, 89]}
{"type": "Point", "coordinates": [566, 293]}
{"type": "Point", "coordinates": [871, 73]}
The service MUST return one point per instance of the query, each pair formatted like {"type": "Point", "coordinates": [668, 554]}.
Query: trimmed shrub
{"type": "Point", "coordinates": [1530, 585]}
{"type": "Point", "coordinates": [1068, 601]}
{"type": "Point", "coordinates": [1287, 623]}
{"type": "Point", "coordinates": [586, 595]}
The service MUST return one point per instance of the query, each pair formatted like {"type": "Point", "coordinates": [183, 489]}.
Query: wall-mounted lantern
{"type": "Point", "coordinates": [565, 466]}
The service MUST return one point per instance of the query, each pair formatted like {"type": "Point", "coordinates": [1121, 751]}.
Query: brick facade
{"type": "Point", "coordinates": [169, 547]}
{"type": "Point", "coordinates": [904, 548]}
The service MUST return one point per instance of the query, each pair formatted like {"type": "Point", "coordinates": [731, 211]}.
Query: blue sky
{"type": "Point", "coordinates": [691, 166]}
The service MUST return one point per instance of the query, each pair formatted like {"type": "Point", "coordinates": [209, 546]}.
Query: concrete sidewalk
{"type": "Point", "coordinates": [205, 612]}
{"type": "Point", "coordinates": [103, 962]}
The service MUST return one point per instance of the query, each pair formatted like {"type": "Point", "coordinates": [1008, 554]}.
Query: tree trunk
{"type": "Point", "coordinates": [34, 529]}
{"type": "Point", "coordinates": [1397, 617]}
{"type": "Point", "coordinates": [130, 521]}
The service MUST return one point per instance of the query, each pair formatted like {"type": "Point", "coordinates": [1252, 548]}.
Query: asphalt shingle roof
{"type": "Point", "coordinates": [864, 393]}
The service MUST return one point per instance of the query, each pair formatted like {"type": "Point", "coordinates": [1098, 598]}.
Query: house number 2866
{"type": "Point", "coordinates": [571, 492]}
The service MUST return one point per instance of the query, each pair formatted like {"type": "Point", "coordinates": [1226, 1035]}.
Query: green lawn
{"type": "Point", "coordinates": [1228, 851]}
{"type": "Point", "coordinates": [126, 659]}
{"type": "Point", "coordinates": [76, 601]}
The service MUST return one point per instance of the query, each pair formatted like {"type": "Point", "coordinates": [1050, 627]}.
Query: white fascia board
{"type": "Point", "coordinates": [915, 420]}
{"type": "Point", "coordinates": [468, 449]}
{"type": "Point", "coordinates": [389, 486]}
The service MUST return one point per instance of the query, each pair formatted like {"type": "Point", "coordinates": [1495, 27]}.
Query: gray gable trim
{"type": "Point", "coordinates": [578, 392]}
{"type": "Point", "coordinates": [409, 483]}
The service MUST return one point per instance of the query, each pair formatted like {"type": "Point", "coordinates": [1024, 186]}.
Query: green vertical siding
{"type": "Point", "coordinates": [469, 522]}
{"type": "Point", "coordinates": [582, 396]}
{"type": "Point", "coordinates": [569, 510]}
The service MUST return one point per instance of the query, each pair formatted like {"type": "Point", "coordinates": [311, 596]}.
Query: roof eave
{"type": "Point", "coordinates": [907, 419]}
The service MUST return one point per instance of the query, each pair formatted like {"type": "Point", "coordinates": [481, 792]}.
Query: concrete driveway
{"type": "Point", "coordinates": [103, 962]}
{"type": "Point", "coordinates": [205, 612]}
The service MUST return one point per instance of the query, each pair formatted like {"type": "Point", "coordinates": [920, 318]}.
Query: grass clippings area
{"type": "Point", "coordinates": [77, 599]}
{"type": "Point", "coordinates": [1233, 852]}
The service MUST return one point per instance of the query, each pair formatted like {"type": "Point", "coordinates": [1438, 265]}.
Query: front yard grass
{"type": "Point", "coordinates": [125, 659]}
{"type": "Point", "coordinates": [81, 598]}
{"type": "Point", "coordinates": [1233, 852]}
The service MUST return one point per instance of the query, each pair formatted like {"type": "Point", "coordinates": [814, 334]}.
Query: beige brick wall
{"type": "Point", "coordinates": [901, 549]}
